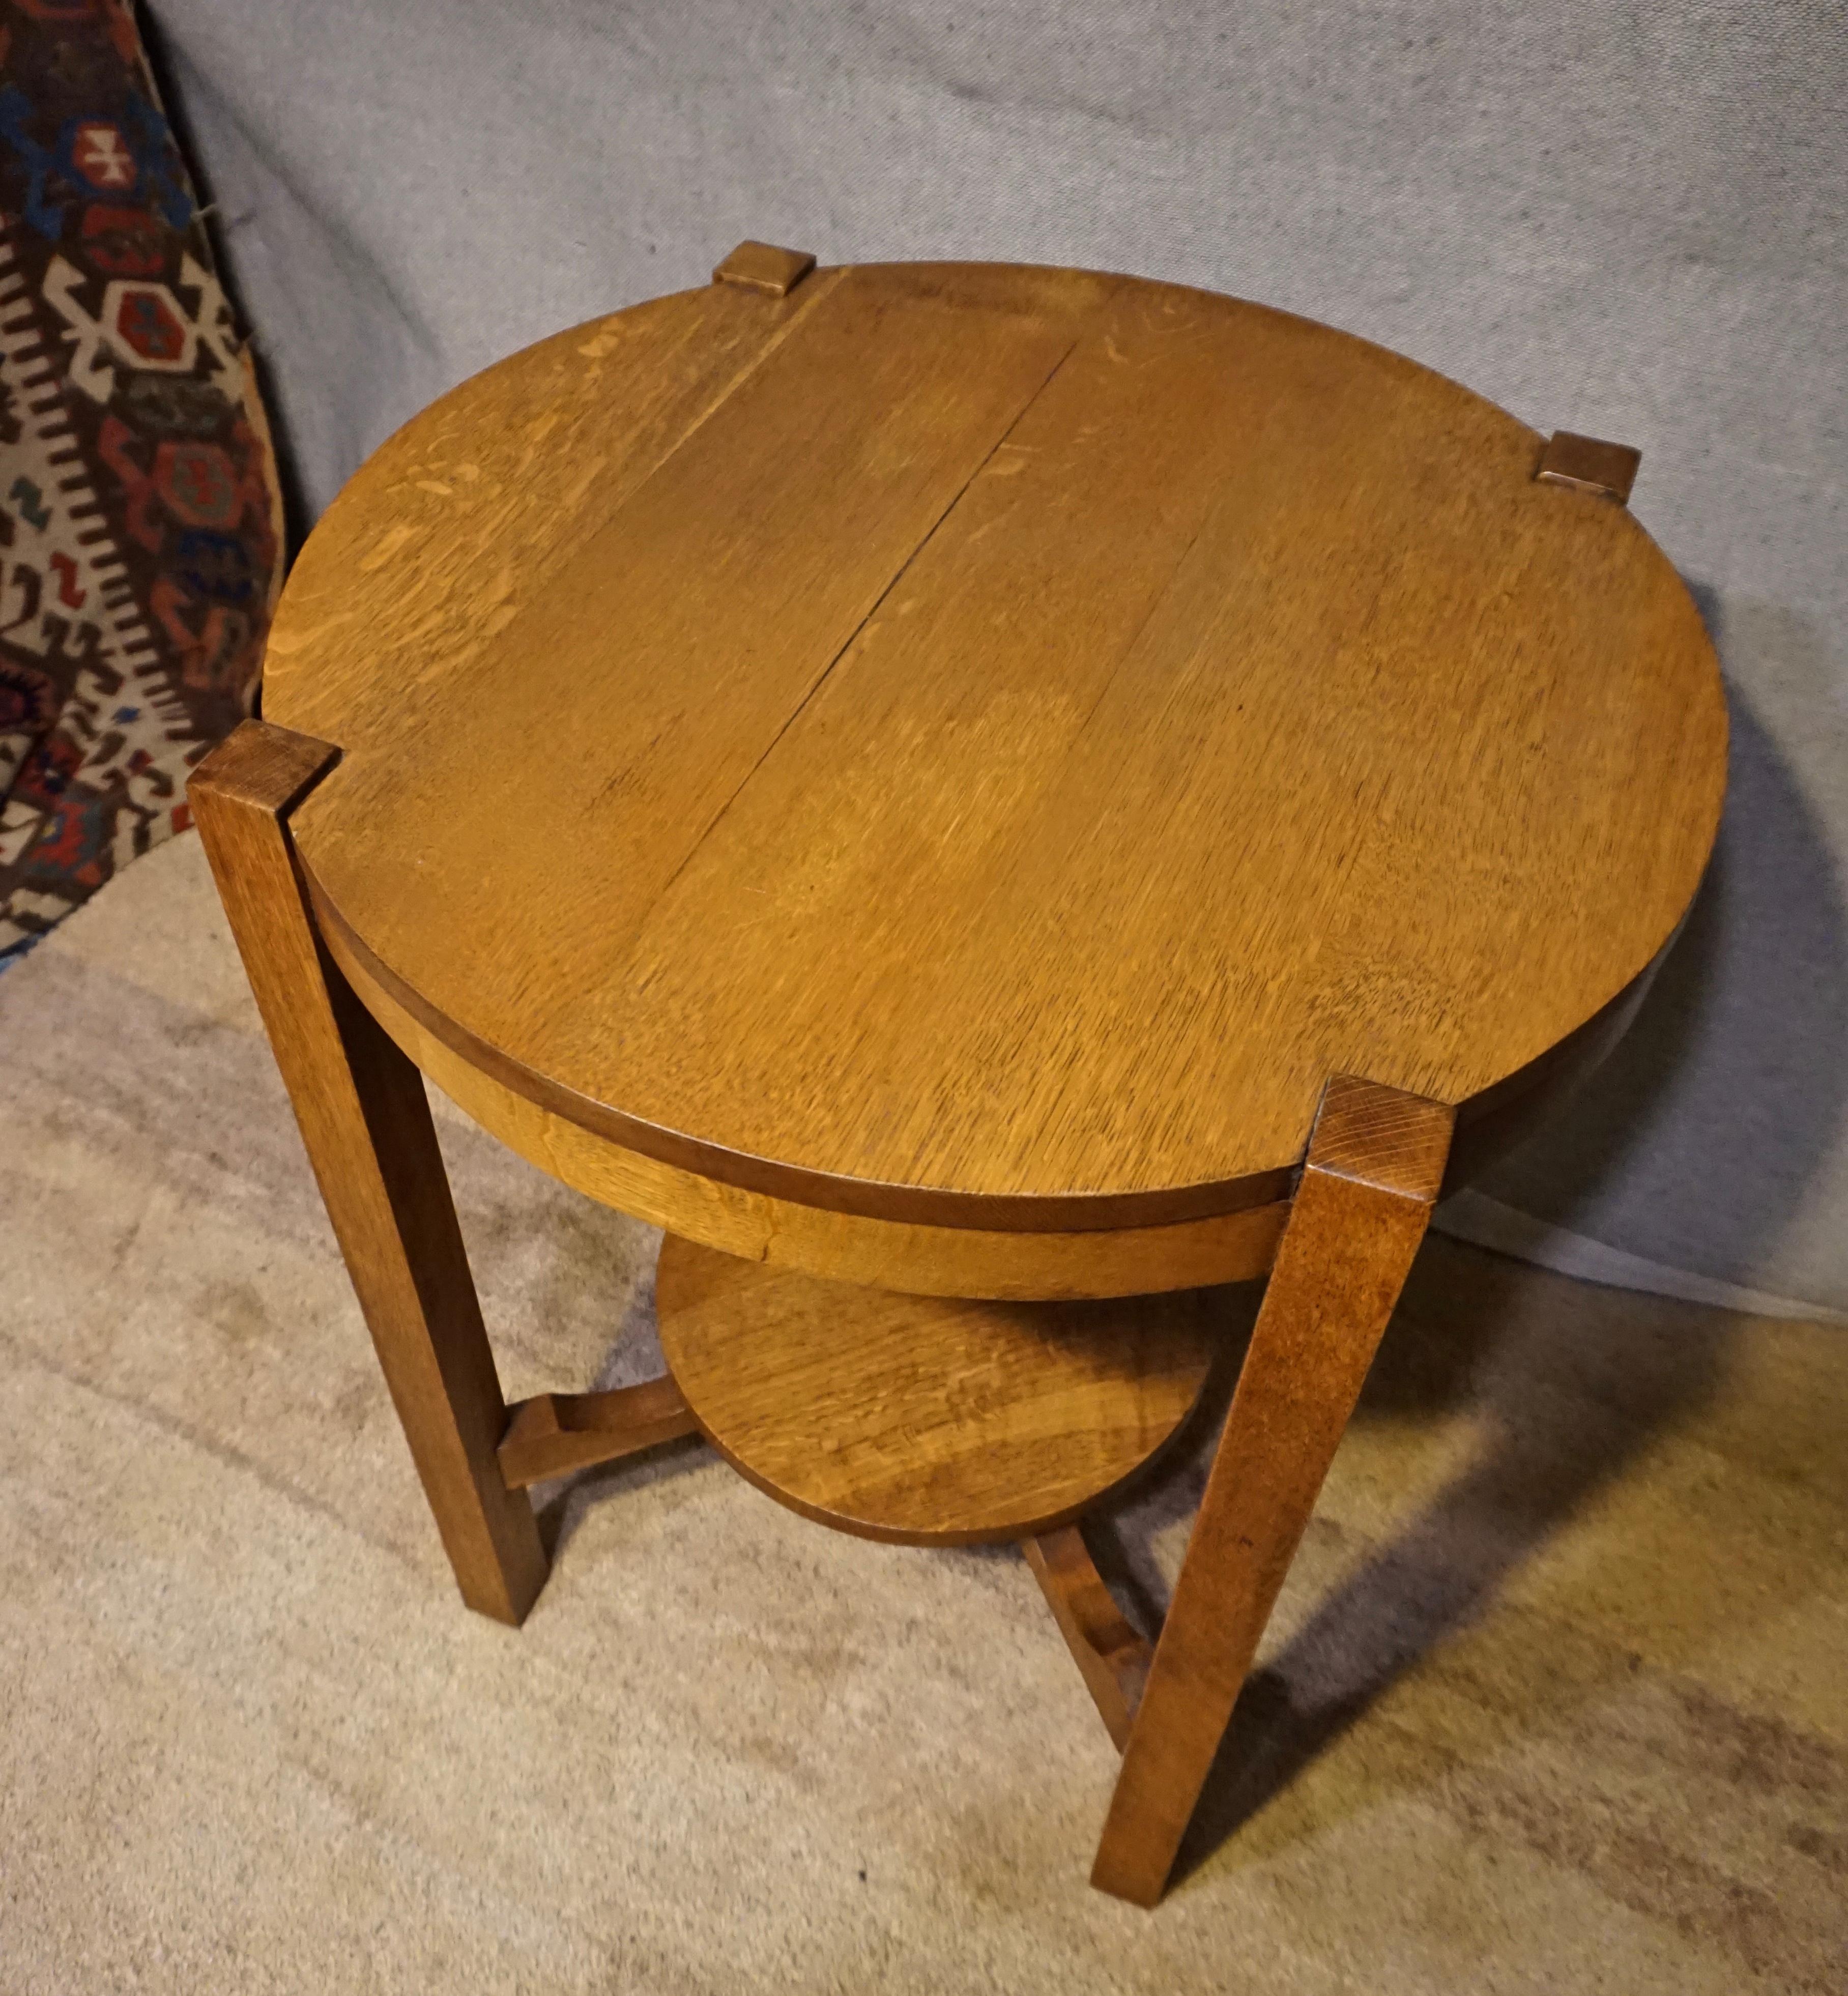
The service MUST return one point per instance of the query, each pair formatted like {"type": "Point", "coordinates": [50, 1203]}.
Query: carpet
{"type": "Point", "coordinates": [1554, 1700]}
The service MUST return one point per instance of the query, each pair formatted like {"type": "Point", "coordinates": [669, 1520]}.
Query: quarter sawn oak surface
{"type": "Point", "coordinates": [993, 739]}
{"type": "Point", "coordinates": [920, 1420]}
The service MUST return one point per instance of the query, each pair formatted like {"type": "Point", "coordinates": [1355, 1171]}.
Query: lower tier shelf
{"type": "Point", "coordinates": [927, 1420]}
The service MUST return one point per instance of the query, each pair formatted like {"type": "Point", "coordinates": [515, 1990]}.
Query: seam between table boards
{"type": "Point", "coordinates": [853, 637]}
{"type": "Point", "coordinates": [819, 289]}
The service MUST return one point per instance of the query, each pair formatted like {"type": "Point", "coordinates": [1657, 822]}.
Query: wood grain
{"type": "Point", "coordinates": [1113, 1660]}
{"type": "Point", "coordinates": [981, 745]}
{"type": "Point", "coordinates": [1375, 1162]}
{"type": "Point", "coordinates": [920, 773]}
{"type": "Point", "coordinates": [921, 1420]}
{"type": "Point", "coordinates": [1033, 1265]}
{"type": "Point", "coordinates": [554, 1434]}
{"type": "Point", "coordinates": [366, 1122]}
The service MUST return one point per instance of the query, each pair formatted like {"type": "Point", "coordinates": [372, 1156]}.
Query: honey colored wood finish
{"type": "Point", "coordinates": [923, 1420]}
{"type": "Point", "coordinates": [1111, 1657]}
{"type": "Point", "coordinates": [916, 776]}
{"type": "Point", "coordinates": [892, 1254]}
{"type": "Point", "coordinates": [366, 1124]}
{"type": "Point", "coordinates": [976, 747]}
{"type": "Point", "coordinates": [1589, 464]}
{"type": "Point", "coordinates": [554, 1434]}
{"type": "Point", "coordinates": [761, 266]}
{"type": "Point", "coordinates": [1375, 1163]}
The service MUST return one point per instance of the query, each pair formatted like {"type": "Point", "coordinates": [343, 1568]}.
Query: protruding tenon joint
{"type": "Point", "coordinates": [1589, 464]}
{"type": "Point", "coordinates": [761, 266]}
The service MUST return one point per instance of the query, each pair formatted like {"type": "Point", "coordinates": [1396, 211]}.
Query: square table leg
{"type": "Point", "coordinates": [1376, 1162]}
{"type": "Point", "coordinates": [366, 1121]}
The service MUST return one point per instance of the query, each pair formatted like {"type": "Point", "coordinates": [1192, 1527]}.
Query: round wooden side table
{"type": "Point", "coordinates": [984, 800]}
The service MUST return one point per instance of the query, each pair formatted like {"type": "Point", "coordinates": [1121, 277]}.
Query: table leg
{"type": "Point", "coordinates": [366, 1121]}
{"type": "Point", "coordinates": [1376, 1161]}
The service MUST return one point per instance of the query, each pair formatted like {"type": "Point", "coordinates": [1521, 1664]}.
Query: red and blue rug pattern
{"type": "Point", "coordinates": [139, 526]}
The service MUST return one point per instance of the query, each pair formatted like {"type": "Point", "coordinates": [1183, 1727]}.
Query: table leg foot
{"type": "Point", "coordinates": [1376, 1162]}
{"type": "Point", "coordinates": [366, 1122]}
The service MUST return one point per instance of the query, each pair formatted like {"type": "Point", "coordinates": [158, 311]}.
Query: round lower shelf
{"type": "Point", "coordinates": [927, 1420]}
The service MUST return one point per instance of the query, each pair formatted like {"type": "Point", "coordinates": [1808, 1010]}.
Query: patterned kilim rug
{"type": "Point", "coordinates": [139, 542]}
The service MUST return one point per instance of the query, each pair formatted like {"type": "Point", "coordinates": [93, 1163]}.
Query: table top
{"type": "Point", "coordinates": [982, 743]}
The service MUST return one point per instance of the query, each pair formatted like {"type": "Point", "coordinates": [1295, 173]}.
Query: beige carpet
{"type": "Point", "coordinates": [1557, 1698]}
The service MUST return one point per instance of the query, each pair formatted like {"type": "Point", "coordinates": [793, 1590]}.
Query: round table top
{"type": "Point", "coordinates": [984, 745]}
